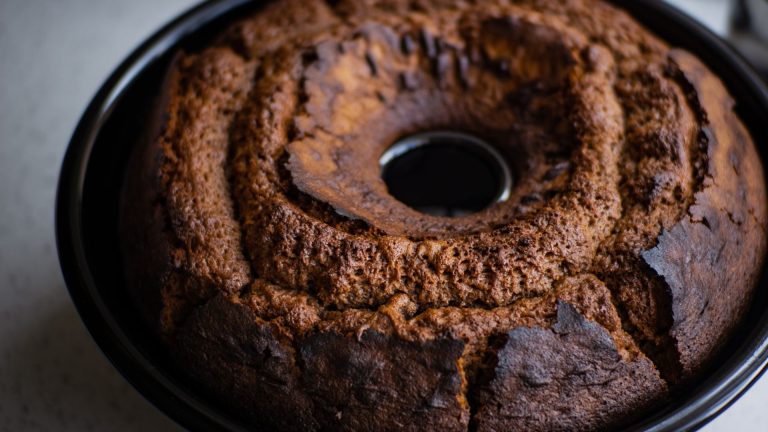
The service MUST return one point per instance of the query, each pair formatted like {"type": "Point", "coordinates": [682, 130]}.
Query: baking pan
{"type": "Point", "coordinates": [91, 180]}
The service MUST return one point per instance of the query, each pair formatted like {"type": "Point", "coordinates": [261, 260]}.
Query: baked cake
{"type": "Point", "coordinates": [263, 247]}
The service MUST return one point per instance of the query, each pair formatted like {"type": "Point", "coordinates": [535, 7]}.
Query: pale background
{"type": "Point", "coordinates": [53, 57]}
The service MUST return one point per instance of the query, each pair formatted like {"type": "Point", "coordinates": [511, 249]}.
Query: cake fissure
{"type": "Point", "coordinates": [263, 248]}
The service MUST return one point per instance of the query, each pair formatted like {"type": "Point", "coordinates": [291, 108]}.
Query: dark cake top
{"type": "Point", "coordinates": [635, 226]}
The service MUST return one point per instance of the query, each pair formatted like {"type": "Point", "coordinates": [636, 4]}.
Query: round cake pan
{"type": "Point", "coordinates": [91, 180]}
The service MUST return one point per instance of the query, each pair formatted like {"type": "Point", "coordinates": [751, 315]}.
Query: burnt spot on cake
{"type": "Point", "coordinates": [548, 379]}
{"type": "Point", "coordinates": [367, 381]}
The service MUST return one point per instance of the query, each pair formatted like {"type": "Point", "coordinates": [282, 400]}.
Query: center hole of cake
{"type": "Point", "coordinates": [445, 173]}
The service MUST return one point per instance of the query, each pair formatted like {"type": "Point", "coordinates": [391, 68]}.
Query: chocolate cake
{"type": "Point", "coordinates": [264, 248]}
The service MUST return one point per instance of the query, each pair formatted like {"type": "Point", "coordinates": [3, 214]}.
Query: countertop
{"type": "Point", "coordinates": [55, 54]}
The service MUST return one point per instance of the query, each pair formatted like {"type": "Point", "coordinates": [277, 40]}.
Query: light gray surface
{"type": "Point", "coordinates": [55, 54]}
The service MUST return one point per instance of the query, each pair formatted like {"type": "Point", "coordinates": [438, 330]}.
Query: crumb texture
{"type": "Point", "coordinates": [262, 245]}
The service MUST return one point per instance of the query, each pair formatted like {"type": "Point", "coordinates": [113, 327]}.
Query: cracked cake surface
{"type": "Point", "coordinates": [262, 246]}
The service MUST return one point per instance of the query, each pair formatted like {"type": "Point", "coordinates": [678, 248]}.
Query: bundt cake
{"type": "Point", "coordinates": [264, 248]}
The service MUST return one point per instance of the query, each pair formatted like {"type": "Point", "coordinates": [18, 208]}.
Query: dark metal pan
{"type": "Point", "coordinates": [91, 180]}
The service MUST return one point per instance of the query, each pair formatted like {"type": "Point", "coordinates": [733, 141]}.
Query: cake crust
{"type": "Point", "coordinates": [262, 246]}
